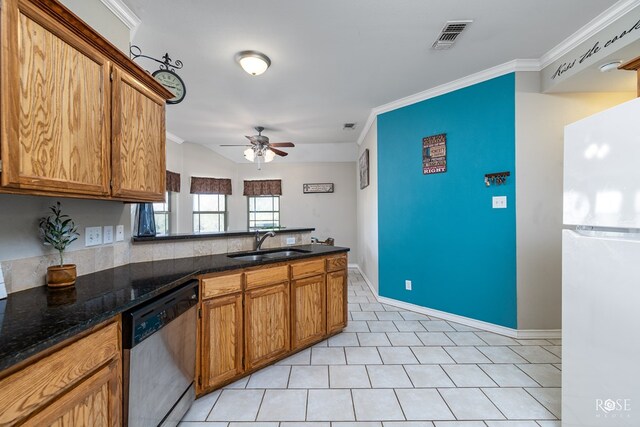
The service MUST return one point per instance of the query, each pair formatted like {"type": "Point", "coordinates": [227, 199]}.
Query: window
{"type": "Point", "coordinates": [264, 212]}
{"type": "Point", "coordinates": [209, 213]}
{"type": "Point", "coordinates": [161, 213]}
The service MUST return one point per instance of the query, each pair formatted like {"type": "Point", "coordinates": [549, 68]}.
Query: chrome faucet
{"type": "Point", "coordinates": [259, 240]}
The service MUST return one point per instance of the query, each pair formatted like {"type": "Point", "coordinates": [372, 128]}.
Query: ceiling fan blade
{"type": "Point", "coordinates": [282, 144]}
{"type": "Point", "coordinates": [278, 152]}
{"type": "Point", "coordinates": [234, 145]}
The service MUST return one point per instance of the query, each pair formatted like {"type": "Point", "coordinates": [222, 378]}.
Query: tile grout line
{"type": "Point", "coordinates": [493, 403]}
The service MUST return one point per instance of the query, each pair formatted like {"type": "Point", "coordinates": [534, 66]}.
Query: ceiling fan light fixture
{"type": "Point", "coordinates": [253, 62]}
{"type": "Point", "coordinates": [268, 156]}
{"type": "Point", "coordinates": [249, 154]}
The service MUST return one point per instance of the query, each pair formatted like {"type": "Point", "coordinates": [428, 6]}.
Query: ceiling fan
{"type": "Point", "coordinates": [261, 149]}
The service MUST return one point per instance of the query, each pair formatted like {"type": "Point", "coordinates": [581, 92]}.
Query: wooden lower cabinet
{"type": "Point", "coordinates": [336, 301]}
{"type": "Point", "coordinates": [77, 384]}
{"type": "Point", "coordinates": [93, 403]}
{"type": "Point", "coordinates": [266, 324]}
{"type": "Point", "coordinates": [222, 343]}
{"type": "Point", "coordinates": [308, 314]}
{"type": "Point", "coordinates": [250, 318]}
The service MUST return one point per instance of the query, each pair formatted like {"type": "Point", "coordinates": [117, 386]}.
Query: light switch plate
{"type": "Point", "coordinates": [119, 233]}
{"type": "Point", "coordinates": [92, 236]}
{"type": "Point", "coordinates": [407, 285]}
{"type": "Point", "coordinates": [499, 202]}
{"type": "Point", "coordinates": [107, 234]}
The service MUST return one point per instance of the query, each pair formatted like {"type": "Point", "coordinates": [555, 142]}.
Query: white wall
{"type": "Point", "coordinates": [98, 16]}
{"type": "Point", "coordinates": [540, 121]}
{"type": "Point", "coordinates": [195, 160]}
{"type": "Point", "coordinates": [367, 210]}
{"type": "Point", "coordinates": [333, 215]}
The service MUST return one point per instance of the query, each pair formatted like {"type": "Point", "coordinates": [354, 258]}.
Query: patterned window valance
{"type": "Point", "coordinates": [173, 182]}
{"type": "Point", "coordinates": [210, 185]}
{"type": "Point", "coordinates": [272, 187]}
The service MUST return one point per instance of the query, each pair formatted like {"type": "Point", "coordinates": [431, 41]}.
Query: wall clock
{"type": "Point", "coordinates": [173, 83]}
{"type": "Point", "coordinates": [166, 74]}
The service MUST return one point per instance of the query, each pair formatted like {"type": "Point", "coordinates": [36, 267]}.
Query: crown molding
{"type": "Point", "coordinates": [601, 21]}
{"type": "Point", "coordinates": [597, 24]}
{"type": "Point", "coordinates": [174, 138]}
{"type": "Point", "coordinates": [122, 11]}
{"type": "Point", "coordinates": [499, 70]}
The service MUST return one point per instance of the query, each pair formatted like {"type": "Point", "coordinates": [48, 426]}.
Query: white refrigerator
{"type": "Point", "coordinates": [601, 270]}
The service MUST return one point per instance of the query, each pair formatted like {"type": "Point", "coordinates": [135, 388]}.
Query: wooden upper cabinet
{"type": "Point", "coordinates": [138, 150]}
{"type": "Point", "coordinates": [66, 129]}
{"type": "Point", "coordinates": [55, 107]}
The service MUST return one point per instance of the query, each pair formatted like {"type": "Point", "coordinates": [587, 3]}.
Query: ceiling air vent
{"type": "Point", "coordinates": [349, 126]}
{"type": "Point", "coordinates": [450, 33]}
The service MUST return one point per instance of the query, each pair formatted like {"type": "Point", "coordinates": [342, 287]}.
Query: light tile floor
{"type": "Point", "coordinates": [396, 368]}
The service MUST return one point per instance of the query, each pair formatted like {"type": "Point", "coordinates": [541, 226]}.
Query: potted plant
{"type": "Point", "coordinates": [59, 230]}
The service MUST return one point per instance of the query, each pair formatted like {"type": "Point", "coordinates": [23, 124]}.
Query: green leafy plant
{"type": "Point", "coordinates": [58, 230]}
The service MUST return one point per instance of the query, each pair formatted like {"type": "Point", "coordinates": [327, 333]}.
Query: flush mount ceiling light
{"type": "Point", "coordinates": [253, 62]}
{"type": "Point", "coordinates": [610, 66]}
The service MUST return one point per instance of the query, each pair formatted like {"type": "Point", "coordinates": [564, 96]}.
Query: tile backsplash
{"type": "Point", "coordinates": [26, 273]}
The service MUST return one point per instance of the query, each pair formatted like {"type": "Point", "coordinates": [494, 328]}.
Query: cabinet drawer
{"type": "Point", "coordinates": [337, 263]}
{"type": "Point", "coordinates": [38, 384]}
{"type": "Point", "coordinates": [307, 268]}
{"type": "Point", "coordinates": [213, 286]}
{"type": "Point", "coordinates": [267, 276]}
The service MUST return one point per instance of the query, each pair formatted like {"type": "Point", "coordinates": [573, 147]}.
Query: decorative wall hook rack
{"type": "Point", "coordinates": [497, 178]}
{"type": "Point", "coordinates": [166, 63]}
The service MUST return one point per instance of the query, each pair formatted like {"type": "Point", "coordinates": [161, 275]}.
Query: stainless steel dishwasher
{"type": "Point", "coordinates": [159, 342]}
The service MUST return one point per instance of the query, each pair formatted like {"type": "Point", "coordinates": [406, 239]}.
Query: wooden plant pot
{"type": "Point", "coordinates": [60, 277]}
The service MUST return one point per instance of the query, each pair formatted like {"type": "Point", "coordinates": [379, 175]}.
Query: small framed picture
{"type": "Point", "coordinates": [364, 169]}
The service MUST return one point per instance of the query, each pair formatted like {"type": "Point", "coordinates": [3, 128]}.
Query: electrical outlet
{"type": "Point", "coordinates": [119, 233]}
{"type": "Point", "coordinates": [499, 202]}
{"type": "Point", "coordinates": [291, 240]}
{"type": "Point", "coordinates": [407, 285]}
{"type": "Point", "coordinates": [92, 236]}
{"type": "Point", "coordinates": [107, 233]}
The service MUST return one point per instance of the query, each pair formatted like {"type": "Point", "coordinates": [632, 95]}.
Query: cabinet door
{"type": "Point", "coordinates": [138, 141]}
{"type": "Point", "coordinates": [308, 322]}
{"type": "Point", "coordinates": [266, 324]}
{"type": "Point", "coordinates": [336, 301]}
{"type": "Point", "coordinates": [222, 345]}
{"type": "Point", "coordinates": [95, 402]}
{"type": "Point", "coordinates": [55, 114]}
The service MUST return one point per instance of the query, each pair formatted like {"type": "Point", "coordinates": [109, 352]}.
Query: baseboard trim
{"type": "Point", "coordinates": [467, 321]}
{"type": "Point", "coordinates": [374, 291]}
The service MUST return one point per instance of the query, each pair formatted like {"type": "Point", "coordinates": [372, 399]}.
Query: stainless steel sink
{"type": "Point", "coordinates": [268, 254]}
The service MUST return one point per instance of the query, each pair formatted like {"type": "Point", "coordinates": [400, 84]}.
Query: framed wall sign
{"type": "Point", "coordinates": [364, 169]}
{"type": "Point", "coordinates": [318, 188]}
{"type": "Point", "coordinates": [434, 154]}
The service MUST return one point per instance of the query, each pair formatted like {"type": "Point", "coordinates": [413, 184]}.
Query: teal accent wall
{"type": "Point", "coordinates": [440, 230]}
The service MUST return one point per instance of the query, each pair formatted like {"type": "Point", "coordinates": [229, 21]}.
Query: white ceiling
{"type": "Point", "coordinates": [332, 60]}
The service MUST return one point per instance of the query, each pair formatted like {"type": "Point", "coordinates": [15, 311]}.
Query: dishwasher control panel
{"type": "Point", "coordinates": [148, 318]}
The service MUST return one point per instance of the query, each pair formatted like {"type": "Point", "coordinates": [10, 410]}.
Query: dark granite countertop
{"type": "Point", "coordinates": [222, 234]}
{"type": "Point", "coordinates": [38, 318]}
